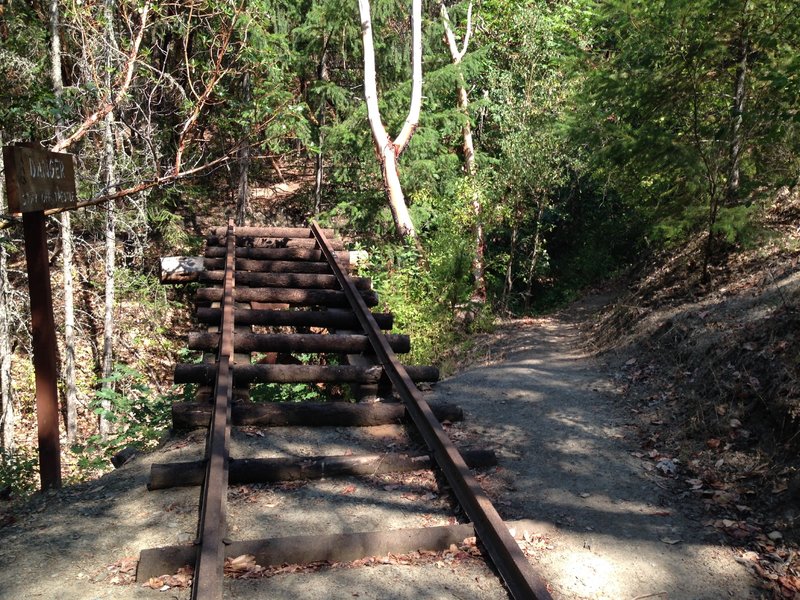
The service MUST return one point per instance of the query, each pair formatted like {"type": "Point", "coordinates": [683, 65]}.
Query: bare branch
{"type": "Point", "coordinates": [109, 105]}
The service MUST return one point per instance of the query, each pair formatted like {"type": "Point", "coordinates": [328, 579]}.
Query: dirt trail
{"type": "Point", "coordinates": [549, 410]}
{"type": "Point", "coordinates": [609, 529]}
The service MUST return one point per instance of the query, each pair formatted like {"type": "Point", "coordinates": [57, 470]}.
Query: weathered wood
{"type": "Point", "coordinates": [295, 296]}
{"type": "Point", "coordinates": [275, 232]}
{"type": "Point", "coordinates": [257, 373]}
{"type": "Point", "coordinates": [336, 547]}
{"type": "Point", "coordinates": [297, 342]}
{"type": "Point", "coordinates": [270, 470]}
{"type": "Point", "coordinates": [271, 242]}
{"type": "Point", "coordinates": [271, 266]}
{"type": "Point", "coordinates": [295, 318]}
{"type": "Point", "coordinates": [279, 254]}
{"type": "Point", "coordinates": [286, 280]}
{"type": "Point", "coordinates": [189, 415]}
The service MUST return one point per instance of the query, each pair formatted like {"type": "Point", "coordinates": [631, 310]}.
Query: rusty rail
{"type": "Point", "coordinates": [211, 528]}
{"type": "Point", "coordinates": [519, 576]}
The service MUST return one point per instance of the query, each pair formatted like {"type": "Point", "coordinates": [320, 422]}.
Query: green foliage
{"type": "Point", "coordinates": [19, 470]}
{"type": "Point", "coordinates": [138, 417]}
{"type": "Point", "coordinates": [285, 392]}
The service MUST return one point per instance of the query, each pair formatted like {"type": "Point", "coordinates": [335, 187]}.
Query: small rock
{"type": "Point", "coordinates": [775, 536]}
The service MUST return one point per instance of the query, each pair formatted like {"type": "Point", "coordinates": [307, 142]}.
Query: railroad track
{"type": "Point", "coordinates": [297, 279]}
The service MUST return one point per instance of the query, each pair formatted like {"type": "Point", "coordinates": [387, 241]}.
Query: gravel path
{"type": "Point", "coordinates": [607, 529]}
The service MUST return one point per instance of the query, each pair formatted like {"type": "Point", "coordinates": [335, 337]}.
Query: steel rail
{"type": "Point", "coordinates": [522, 580]}
{"type": "Point", "coordinates": [211, 528]}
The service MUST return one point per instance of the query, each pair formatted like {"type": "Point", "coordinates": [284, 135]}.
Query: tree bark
{"type": "Point", "coordinates": [68, 374]}
{"type": "Point", "coordinates": [737, 112]}
{"type": "Point", "coordinates": [389, 150]}
{"type": "Point", "coordinates": [478, 261]}
{"type": "Point", "coordinates": [319, 176]}
{"type": "Point", "coordinates": [243, 198]}
{"type": "Point", "coordinates": [110, 235]}
{"type": "Point", "coordinates": [6, 397]}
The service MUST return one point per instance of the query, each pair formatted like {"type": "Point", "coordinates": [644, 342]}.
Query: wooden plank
{"type": "Point", "coordinates": [275, 232]}
{"type": "Point", "coordinates": [272, 266]}
{"type": "Point", "coordinates": [286, 280]}
{"type": "Point", "coordinates": [337, 547]}
{"type": "Point", "coordinates": [297, 342]}
{"type": "Point", "coordinates": [296, 318]}
{"type": "Point", "coordinates": [271, 470]}
{"type": "Point", "coordinates": [278, 254]}
{"type": "Point", "coordinates": [294, 296]}
{"type": "Point", "coordinates": [188, 415]}
{"type": "Point", "coordinates": [271, 242]}
{"type": "Point", "coordinates": [257, 373]}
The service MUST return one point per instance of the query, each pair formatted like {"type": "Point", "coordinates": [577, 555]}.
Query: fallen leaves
{"type": "Point", "coordinates": [181, 579]}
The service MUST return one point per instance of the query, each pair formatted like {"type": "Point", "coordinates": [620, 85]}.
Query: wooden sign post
{"type": "Point", "coordinates": [38, 180]}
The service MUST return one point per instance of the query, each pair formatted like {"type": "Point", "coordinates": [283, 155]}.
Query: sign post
{"type": "Point", "coordinates": [38, 180]}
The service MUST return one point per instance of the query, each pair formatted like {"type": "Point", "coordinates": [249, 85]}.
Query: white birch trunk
{"type": "Point", "coordinates": [111, 235]}
{"type": "Point", "coordinates": [243, 197]}
{"type": "Point", "coordinates": [68, 374]}
{"type": "Point", "coordinates": [478, 261]}
{"type": "Point", "coordinates": [387, 150]}
{"type": "Point", "coordinates": [737, 112]}
{"type": "Point", "coordinates": [6, 396]}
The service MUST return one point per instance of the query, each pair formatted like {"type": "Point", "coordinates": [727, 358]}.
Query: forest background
{"type": "Point", "coordinates": [602, 133]}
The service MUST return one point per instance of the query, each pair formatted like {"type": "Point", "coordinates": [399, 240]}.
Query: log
{"type": "Point", "coordinates": [296, 342]}
{"type": "Point", "coordinates": [277, 232]}
{"type": "Point", "coordinates": [295, 318]}
{"type": "Point", "coordinates": [270, 266]}
{"type": "Point", "coordinates": [247, 374]}
{"type": "Point", "coordinates": [333, 547]}
{"type": "Point", "coordinates": [271, 470]}
{"type": "Point", "coordinates": [287, 254]}
{"type": "Point", "coordinates": [285, 280]}
{"type": "Point", "coordinates": [298, 297]}
{"type": "Point", "coordinates": [189, 415]}
{"type": "Point", "coordinates": [271, 242]}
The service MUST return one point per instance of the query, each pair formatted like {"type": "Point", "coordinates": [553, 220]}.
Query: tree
{"type": "Point", "coordinates": [389, 151]}
{"type": "Point", "coordinates": [6, 397]}
{"type": "Point", "coordinates": [70, 389]}
{"type": "Point", "coordinates": [478, 266]}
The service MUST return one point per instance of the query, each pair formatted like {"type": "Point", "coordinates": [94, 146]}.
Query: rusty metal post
{"type": "Point", "coordinates": [44, 348]}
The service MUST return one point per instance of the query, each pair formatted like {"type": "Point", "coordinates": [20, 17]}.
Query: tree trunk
{"type": "Point", "coordinates": [389, 150]}
{"type": "Point", "coordinates": [319, 178]}
{"type": "Point", "coordinates": [68, 374]}
{"type": "Point", "coordinates": [111, 236]}
{"type": "Point", "coordinates": [243, 199]}
{"type": "Point", "coordinates": [6, 398]}
{"type": "Point", "coordinates": [737, 112]}
{"type": "Point", "coordinates": [478, 263]}
{"type": "Point", "coordinates": [535, 253]}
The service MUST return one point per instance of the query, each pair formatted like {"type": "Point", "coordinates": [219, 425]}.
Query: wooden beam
{"type": "Point", "coordinates": [286, 280]}
{"type": "Point", "coordinates": [257, 373]}
{"type": "Point", "coordinates": [297, 342]}
{"type": "Point", "coordinates": [336, 547]}
{"type": "Point", "coordinates": [295, 318]}
{"type": "Point", "coordinates": [270, 470]}
{"type": "Point", "coordinates": [188, 415]}
{"type": "Point", "coordinates": [298, 297]}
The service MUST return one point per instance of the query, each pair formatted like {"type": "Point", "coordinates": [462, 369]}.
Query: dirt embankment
{"type": "Point", "coordinates": [711, 374]}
